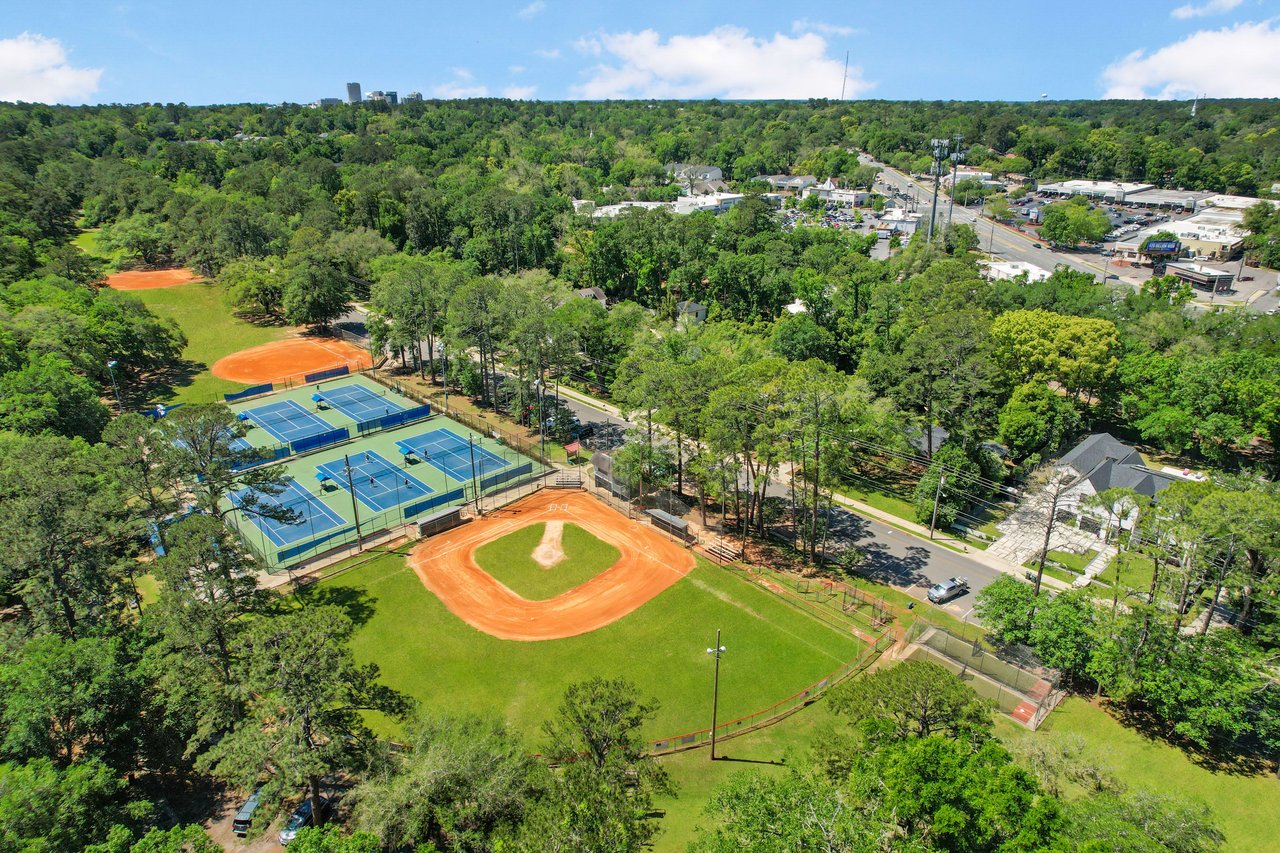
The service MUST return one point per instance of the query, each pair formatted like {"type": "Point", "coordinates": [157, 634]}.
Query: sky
{"type": "Point", "coordinates": [271, 51]}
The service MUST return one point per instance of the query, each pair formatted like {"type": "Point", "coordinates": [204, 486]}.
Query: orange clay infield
{"type": "Point", "coordinates": [292, 357]}
{"type": "Point", "coordinates": [150, 279]}
{"type": "Point", "coordinates": [649, 564]}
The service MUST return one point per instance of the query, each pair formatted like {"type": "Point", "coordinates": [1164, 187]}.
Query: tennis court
{"type": "Point", "coordinates": [451, 453]}
{"type": "Point", "coordinates": [378, 484]}
{"type": "Point", "coordinates": [358, 402]}
{"type": "Point", "coordinates": [286, 421]}
{"type": "Point", "coordinates": [315, 517]}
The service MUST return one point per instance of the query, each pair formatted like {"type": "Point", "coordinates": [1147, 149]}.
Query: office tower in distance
{"type": "Point", "coordinates": [353, 93]}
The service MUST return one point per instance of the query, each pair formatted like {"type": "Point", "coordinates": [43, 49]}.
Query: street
{"type": "Point", "coordinates": [890, 555]}
{"type": "Point", "coordinates": [1261, 292]}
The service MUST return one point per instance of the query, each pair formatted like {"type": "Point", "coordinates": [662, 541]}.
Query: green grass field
{"type": "Point", "coordinates": [212, 332]}
{"type": "Point", "coordinates": [430, 654]}
{"type": "Point", "coordinates": [1247, 806]}
{"type": "Point", "coordinates": [510, 560]}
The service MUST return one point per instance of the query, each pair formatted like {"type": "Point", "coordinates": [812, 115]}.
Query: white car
{"type": "Point", "coordinates": [944, 591]}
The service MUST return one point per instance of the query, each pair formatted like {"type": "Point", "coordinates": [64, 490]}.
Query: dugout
{"type": "Point", "coordinates": [439, 522]}
{"type": "Point", "coordinates": [671, 524]}
{"type": "Point", "coordinates": [602, 463]}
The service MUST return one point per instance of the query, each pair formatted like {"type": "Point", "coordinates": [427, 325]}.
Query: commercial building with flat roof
{"type": "Point", "coordinates": [1010, 270]}
{"type": "Point", "coordinates": [1201, 277]}
{"type": "Point", "coordinates": [1214, 234]}
{"type": "Point", "coordinates": [353, 93]}
{"type": "Point", "coordinates": [1111, 190]}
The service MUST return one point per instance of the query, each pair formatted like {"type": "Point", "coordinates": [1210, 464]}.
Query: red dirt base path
{"type": "Point", "coordinates": [289, 358]}
{"type": "Point", "coordinates": [649, 564]}
{"type": "Point", "coordinates": [150, 279]}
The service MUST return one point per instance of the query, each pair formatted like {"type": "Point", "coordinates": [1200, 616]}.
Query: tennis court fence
{"type": "Point", "coordinates": [526, 445]}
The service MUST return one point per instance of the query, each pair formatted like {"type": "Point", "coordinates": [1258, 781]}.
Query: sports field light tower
{"type": "Point", "coordinates": [715, 691]}
{"type": "Point", "coordinates": [940, 149]}
{"type": "Point", "coordinates": [111, 368]}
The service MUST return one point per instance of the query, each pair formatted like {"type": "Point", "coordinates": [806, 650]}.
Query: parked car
{"type": "Point", "coordinates": [948, 589]}
{"type": "Point", "coordinates": [301, 817]}
{"type": "Point", "coordinates": [244, 817]}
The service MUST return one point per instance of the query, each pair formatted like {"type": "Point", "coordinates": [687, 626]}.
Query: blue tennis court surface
{"type": "Point", "coordinates": [448, 451]}
{"type": "Point", "coordinates": [287, 421]}
{"type": "Point", "coordinates": [379, 484]}
{"type": "Point", "coordinates": [358, 402]}
{"type": "Point", "coordinates": [314, 516]}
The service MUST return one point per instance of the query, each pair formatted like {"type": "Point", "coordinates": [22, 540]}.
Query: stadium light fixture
{"type": "Point", "coordinates": [111, 368]}
{"type": "Point", "coordinates": [715, 691]}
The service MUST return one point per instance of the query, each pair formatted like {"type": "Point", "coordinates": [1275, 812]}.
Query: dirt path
{"type": "Point", "coordinates": [550, 550]}
{"type": "Point", "coordinates": [650, 563]}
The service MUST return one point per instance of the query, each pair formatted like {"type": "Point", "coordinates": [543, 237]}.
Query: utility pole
{"type": "Point", "coordinates": [715, 691]}
{"type": "Point", "coordinates": [939, 152]}
{"type": "Point", "coordinates": [937, 497]}
{"type": "Point", "coordinates": [955, 169]}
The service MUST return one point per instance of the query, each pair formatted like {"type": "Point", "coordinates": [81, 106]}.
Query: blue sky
{"type": "Point", "coordinates": [227, 51]}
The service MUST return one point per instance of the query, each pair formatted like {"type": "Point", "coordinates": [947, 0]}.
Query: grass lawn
{"type": "Point", "coordinates": [430, 654]}
{"type": "Point", "coordinates": [212, 332]}
{"type": "Point", "coordinates": [148, 588]}
{"type": "Point", "coordinates": [87, 242]}
{"type": "Point", "coordinates": [510, 560]}
{"type": "Point", "coordinates": [1135, 572]}
{"type": "Point", "coordinates": [768, 751]}
{"type": "Point", "coordinates": [1247, 807]}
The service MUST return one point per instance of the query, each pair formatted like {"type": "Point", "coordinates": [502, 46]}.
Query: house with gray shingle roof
{"type": "Point", "coordinates": [1102, 462]}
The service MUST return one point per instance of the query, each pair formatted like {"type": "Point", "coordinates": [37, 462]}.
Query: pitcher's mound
{"type": "Point", "coordinates": [289, 358]}
{"type": "Point", "coordinates": [150, 279]}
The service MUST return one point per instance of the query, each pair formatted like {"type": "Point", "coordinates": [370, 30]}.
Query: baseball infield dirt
{"type": "Point", "coordinates": [150, 279]}
{"type": "Point", "coordinates": [289, 358]}
{"type": "Point", "coordinates": [649, 564]}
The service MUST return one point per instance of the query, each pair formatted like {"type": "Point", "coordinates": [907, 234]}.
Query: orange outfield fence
{"type": "Point", "coordinates": [778, 710]}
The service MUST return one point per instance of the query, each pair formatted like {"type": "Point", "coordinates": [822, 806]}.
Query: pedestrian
{"type": "Point", "coordinates": [371, 482]}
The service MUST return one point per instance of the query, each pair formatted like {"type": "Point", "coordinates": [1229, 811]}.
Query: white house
{"type": "Point", "coordinates": [1102, 462]}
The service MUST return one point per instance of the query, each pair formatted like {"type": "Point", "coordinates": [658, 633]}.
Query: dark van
{"type": "Point", "coordinates": [244, 818]}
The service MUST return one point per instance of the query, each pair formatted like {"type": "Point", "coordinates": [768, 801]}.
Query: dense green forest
{"type": "Point", "coordinates": [454, 221]}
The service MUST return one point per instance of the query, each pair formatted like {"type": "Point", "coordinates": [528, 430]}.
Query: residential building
{"type": "Point", "coordinates": [694, 172]}
{"type": "Point", "coordinates": [353, 93]}
{"type": "Point", "coordinates": [1102, 462]}
{"type": "Point", "coordinates": [794, 183]}
{"type": "Point", "coordinates": [690, 313]}
{"type": "Point", "coordinates": [592, 293]}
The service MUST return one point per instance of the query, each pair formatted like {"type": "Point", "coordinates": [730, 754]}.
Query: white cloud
{"type": "Point", "coordinates": [548, 53]}
{"type": "Point", "coordinates": [1213, 7]}
{"type": "Point", "coordinates": [1235, 62]}
{"type": "Point", "coordinates": [463, 85]}
{"type": "Point", "coordinates": [805, 25]}
{"type": "Point", "coordinates": [517, 69]}
{"type": "Point", "coordinates": [519, 93]}
{"type": "Point", "coordinates": [727, 62]}
{"type": "Point", "coordinates": [35, 68]}
{"type": "Point", "coordinates": [532, 9]}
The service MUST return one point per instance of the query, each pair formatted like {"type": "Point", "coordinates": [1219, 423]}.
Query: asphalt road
{"type": "Point", "coordinates": [1261, 294]}
{"type": "Point", "coordinates": [891, 556]}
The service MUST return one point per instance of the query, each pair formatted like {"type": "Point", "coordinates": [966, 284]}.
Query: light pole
{"type": "Point", "coordinates": [475, 488]}
{"type": "Point", "coordinates": [715, 691]}
{"type": "Point", "coordinates": [542, 424]}
{"type": "Point", "coordinates": [937, 496]}
{"type": "Point", "coordinates": [111, 368]}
